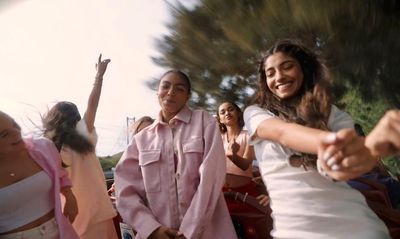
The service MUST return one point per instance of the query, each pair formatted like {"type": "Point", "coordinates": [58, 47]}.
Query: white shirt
{"type": "Point", "coordinates": [304, 203]}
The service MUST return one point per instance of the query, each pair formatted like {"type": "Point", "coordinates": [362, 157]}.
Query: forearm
{"type": "Point", "coordinates": [297, 137]}
{"type": "Point", "coordinates": [242, 163]}
{"type": "Point", "coordinates": [93, 102]}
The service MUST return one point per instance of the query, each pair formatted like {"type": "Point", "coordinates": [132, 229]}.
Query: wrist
{"type": "Point", "coordinates": [98, 81]}
{"type": "Point", "coordinates": [373, 152]}
{"type": "Point", "coordinates": [98, 77]}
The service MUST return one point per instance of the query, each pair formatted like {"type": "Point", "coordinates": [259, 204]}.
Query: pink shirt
{"type": "Point", "coordinates": [44, 152]}
{"type": "Point", "coordinates": [231, 168]}
{"type": "Point", "coordinates": [151, 193]}
{"type": "Point", "coordinates": [90, 187]}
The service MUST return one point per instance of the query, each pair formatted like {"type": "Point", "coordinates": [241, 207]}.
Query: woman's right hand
{"type": "Point", "coordinates": [164, 233]}
{"type": "Point", "coordinates": [344, 156]}
{"type": "Point", "coordinates": [232, 149]}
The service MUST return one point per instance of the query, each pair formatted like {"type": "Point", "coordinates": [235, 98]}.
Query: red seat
{"type": "Point", "coordinates": [254, 221]}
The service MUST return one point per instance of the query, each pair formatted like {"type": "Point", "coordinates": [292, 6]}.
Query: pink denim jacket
{"type": "Point", "coordinates": [44, 152]}
{"type": "Point", "coordinates": [172, 175]}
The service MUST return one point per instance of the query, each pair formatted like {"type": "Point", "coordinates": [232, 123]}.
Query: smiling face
{"type": "Point", "coordinates": [284, 76]}
{"type": "Point", "coordinates": [10, 135]}
{"type": "Point", "coordinates": [173, 93]}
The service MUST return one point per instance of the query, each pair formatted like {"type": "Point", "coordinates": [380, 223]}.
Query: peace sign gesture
{"type": "Point", "coordinates": [101, 67]}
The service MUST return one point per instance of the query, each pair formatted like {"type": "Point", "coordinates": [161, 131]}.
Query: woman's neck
{"type": "Point", "coordinates": [5, 157]}
{"type": "Point", "coordinates": [232, 132]}
{"type": "Point", "coordinates": [166, 117]}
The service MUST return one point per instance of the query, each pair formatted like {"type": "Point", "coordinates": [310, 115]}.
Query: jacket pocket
{"type": "Point", "coordinates": [194, 145]}
{"type": "Point", "coordinates": [149, 162]}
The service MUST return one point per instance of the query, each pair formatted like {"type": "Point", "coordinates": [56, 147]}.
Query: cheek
{"type": "Point", "coordinates": [269, 84]}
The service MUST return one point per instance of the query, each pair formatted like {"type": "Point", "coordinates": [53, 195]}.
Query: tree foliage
{"type": "Point", "coordinates": [218, 43]}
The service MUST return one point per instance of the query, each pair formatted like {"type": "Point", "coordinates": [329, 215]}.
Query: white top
{"type": "Point", "coordinates": [23, 202]}
{"type": "Point", "coordinates": [304, 203]}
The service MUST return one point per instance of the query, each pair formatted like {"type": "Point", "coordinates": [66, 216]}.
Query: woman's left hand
{"type": "Point", "coordinates": [71, 206]}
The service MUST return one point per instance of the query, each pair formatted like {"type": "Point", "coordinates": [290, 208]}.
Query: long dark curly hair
{"type": "Point", "coordinates": [311, 105]}
{"type": "Point", "coordinates": [60, 126]}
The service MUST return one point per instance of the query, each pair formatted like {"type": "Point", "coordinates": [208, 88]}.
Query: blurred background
{"type": "Point", "coordinates": [52, 46]}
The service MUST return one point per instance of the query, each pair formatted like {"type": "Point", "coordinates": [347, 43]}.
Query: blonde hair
{"type": "Point", "coordinates": [135, 128]}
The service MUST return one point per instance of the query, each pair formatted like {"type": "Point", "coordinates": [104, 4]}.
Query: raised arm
{"type": "Point", "coordinates": [94, 97]}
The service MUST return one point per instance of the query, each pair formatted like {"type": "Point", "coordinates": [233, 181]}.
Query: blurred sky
{"type": "Point", "coordinates": [48, 49]}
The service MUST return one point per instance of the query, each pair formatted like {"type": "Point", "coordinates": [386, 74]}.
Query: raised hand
{"type": "Point", "coordinates": [233, 148]}
{"type": "Point", "coordinates": [101, 66]}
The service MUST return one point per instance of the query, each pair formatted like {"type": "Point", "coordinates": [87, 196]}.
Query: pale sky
{"type": "Point", "coordinates": [48, 49]}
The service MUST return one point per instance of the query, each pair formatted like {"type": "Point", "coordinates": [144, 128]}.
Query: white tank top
{"type": "Point", "coordinates": [25, 201]}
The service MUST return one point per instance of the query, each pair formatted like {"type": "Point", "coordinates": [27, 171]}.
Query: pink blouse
{"type": "Point", "coordinates": [231, 168]}
{"type": "Point", "coordinates": [152, 193]}
{"type": "Point", "coordinates": [44, 152]}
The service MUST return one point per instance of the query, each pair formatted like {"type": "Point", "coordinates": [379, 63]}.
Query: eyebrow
{"type": "Point", "coordinates": [284, 62]}
{"type": "Point", "coordinates": [177, 84]}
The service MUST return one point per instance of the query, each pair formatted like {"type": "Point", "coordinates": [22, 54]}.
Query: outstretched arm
{"type": "Point", "coordinates": [384, 139]}
{"type": "Point", "coordinates": [94, 97]}
{"type": "Point", "coordinates": [298, 137]}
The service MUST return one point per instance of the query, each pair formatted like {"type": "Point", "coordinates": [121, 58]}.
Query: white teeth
{"type": "Point", "coordinates": [284, 86]}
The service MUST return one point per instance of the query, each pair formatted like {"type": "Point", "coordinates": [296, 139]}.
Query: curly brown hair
{"type": "Point", "coordinates": [311, 105]}
{"type": "Point", "coordinates": [59, 126]}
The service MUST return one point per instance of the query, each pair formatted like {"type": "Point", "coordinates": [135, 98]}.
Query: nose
{"type": "Point", "coordinates": [279, 75]}
{"type": "Point", "coordinates": [171, 91]}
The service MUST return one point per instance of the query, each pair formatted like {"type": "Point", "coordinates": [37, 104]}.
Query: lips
{"type": "Point", "coordinates": [169, 101]}
{"type": "Point", "coordinates": [284, 86]}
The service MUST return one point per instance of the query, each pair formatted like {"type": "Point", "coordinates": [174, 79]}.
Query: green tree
{"type": "Point", "coordinates": [218, 43]}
